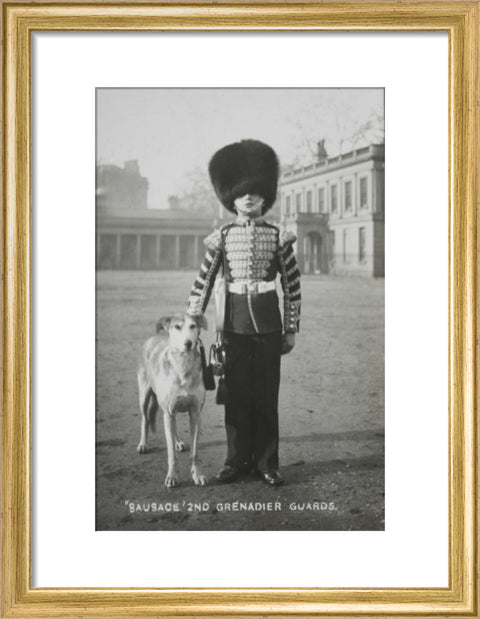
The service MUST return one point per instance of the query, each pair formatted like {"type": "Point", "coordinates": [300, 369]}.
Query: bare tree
{"type": "Point", "coordinates": [333, 116]}
{"type": "Point", "coordinates": [198, 195]}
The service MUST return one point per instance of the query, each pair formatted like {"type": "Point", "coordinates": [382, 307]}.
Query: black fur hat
{"type": "Point", "coordinates": [244, 167]}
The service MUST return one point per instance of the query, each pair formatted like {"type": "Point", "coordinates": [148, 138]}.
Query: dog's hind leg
{"type": "Point", "coordinates": [198, 478]}
{"type": "Point", "coordinates": [171, 479]}
{"type": "Point", "coordinates": [152, 411]}
{"type": "Point", "coordinates": [145, 395]}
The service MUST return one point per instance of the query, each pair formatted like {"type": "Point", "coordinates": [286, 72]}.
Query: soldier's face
{"type": "Point", "coordinates": [250, 204]}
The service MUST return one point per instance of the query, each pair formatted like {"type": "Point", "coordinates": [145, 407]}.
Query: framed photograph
{"type": "Point", "coordinates": [240, 309]}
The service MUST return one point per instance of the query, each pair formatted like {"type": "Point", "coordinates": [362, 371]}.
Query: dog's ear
{"type": "Point", "coordinates": [202, 322]}
{"type": "Point", "coordinates": [164, 323]}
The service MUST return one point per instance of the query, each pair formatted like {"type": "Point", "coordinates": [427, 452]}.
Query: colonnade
{"type": "Point", "coordinates": [118, 250]}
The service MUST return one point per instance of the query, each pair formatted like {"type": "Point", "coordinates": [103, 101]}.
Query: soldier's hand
{"type": "Point", "coordinates": [288, 343]}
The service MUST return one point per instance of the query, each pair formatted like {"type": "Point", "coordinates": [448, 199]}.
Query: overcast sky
{"type": "Point", "coordinates": [171, 131]}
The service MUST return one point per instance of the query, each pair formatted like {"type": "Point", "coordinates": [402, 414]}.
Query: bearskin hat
{"type": "Point", "coordinates": [244, 167]}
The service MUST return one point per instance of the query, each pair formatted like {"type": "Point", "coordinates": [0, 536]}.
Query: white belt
{"type": "Point", "coordinates": [250, 287]}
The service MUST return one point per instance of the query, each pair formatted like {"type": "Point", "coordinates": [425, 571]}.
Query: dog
{"type": "Point", "coordinates": [170, 381]}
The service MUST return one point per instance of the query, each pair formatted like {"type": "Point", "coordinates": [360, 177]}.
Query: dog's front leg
{"type": "Point", "coordinates": [171, 479]}
{"type": "Point", "coordinates": [145, 398]}
{"type": "Point", "coordinates": [197, 476]}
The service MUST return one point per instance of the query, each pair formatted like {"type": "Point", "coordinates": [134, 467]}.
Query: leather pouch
{"type": "Point", "coordinates": [217, 365]}
{"type": "Point", "coordinates": [208, 379]}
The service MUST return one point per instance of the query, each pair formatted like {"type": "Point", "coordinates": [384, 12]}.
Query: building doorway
{"type": "Point", "coordinates": [315, 261]}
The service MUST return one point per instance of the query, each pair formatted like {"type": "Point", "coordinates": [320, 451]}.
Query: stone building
{"type": "Point", "coordinates": [131, 236]}
{"type": "Point", "coordinates": [149, 239]}
{"type": "Point", "coordinates": [336, 208]}
{"type": "Point", "coordinates": [121, 187]}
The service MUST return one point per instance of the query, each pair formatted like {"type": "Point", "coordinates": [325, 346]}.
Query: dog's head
{"type": "Point", "coordinates": [183, 330]}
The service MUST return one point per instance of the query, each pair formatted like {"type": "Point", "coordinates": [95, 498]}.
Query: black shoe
{"type": "Point", "coordinates": [229, 474]}
{"type": "Point", "coordinates": [271, 478]}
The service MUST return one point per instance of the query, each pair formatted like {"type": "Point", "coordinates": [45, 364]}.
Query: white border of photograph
{"type": "Point", "coordinates": [413, 550]}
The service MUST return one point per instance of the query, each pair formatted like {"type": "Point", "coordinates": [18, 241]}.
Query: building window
{"type": "Point", "coordinates": [288, 202]}
{"type": "Point", "coordinates": [334, 199]}
{"type": "Point", "coordinates": [298, 202]}
{"type": "Point", "coordinates": [345, 240]}
{"type": "Point", "coordinates": [348, 196]}
{"type": "Point", "coordinates": [321, 200]}
{"type": "Point", "coordinates": [364, 192]}
{"type": "Point", "coordinates": [361, 245]}
{"type": "Point", "coordinates": [309, 202]}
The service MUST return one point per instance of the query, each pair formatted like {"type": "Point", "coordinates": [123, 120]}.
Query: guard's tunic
{"type": "Point", "coordinates": [252, 253]}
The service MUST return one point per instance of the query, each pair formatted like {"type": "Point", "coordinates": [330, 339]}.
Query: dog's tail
{"type": "Point", "coordinates": [152, 410]}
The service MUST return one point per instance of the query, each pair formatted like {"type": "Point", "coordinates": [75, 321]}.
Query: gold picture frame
{"type": "Point", "coordinates": [461, 21]}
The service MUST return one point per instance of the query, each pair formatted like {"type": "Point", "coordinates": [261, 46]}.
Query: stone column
{"type": "Point", "coordinates": [177, 251]}
{"type": "Point", "coordinates": [138, 253]}
{"type": "Point", "coordinates": [157, 250]}
{"type": "Point", "coordinates": [118, 253]}
{"type": "Point", "coordinates": [306, 255]}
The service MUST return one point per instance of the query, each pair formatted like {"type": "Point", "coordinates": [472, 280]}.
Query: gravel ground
{"type": "Point", "coordinates": [331, 417]}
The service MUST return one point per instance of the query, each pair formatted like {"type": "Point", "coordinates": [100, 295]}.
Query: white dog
{"type": "Point", "coordinates": [170, 379]}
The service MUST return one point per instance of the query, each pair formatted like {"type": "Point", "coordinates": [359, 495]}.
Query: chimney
{"type": "Point", "coordinates": [173, 203]}
{"type": "Point", "coordinates": [321, 152]}
{"type": "Point", "coordinates": [132, 167]}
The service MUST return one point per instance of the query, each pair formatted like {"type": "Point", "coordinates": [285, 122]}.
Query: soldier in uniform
{"type": "Point", "coordinates": [251, 252]}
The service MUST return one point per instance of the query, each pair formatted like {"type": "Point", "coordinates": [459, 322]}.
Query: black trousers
{"type": "Point", "coordinates": [252, 376]}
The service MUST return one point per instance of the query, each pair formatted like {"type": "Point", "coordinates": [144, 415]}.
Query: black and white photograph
{"type": "Point", "coordinates": [240, 314]}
